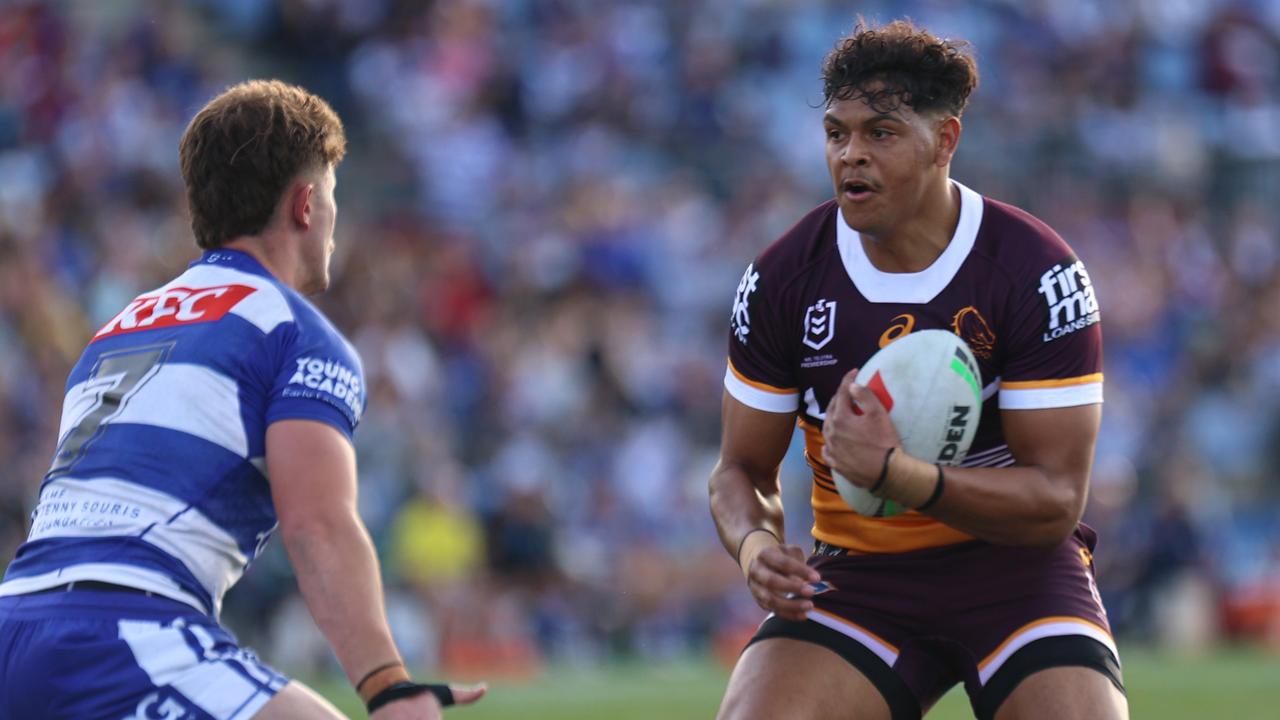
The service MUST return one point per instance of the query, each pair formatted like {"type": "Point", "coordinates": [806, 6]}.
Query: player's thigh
{"type": "Point", "coordinates": [1065, 693]}
{"type": "Point", "coordinates": [296, 701]}
{"type": "Point", "coordinates": [799, 680]}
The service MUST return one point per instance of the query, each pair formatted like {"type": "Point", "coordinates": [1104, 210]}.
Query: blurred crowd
{"type": "Point", "coordinates": [544, 211]}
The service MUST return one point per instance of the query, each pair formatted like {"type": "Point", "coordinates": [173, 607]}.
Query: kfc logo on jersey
{"type": "Point", "coordinates": [320, 377]}
{"type": "Point", "coordinates": [175, 306]}
{"type": "Point", "coordinates": [741, 319]}
{"type": "Point", "coordinates": [820, 324]}
{"type": "Point", "coordinates": [1068, 294]}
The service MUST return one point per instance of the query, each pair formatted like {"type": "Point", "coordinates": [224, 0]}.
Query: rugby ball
{"type": "Point", "coordinates": [930, 383]}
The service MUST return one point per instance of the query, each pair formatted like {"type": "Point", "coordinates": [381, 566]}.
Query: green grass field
{"type": "Point", "coordinates": [1230, 684]}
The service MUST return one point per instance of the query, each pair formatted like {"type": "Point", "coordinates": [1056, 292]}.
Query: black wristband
{"type": "Point", "coordinates": [884, 471]}
{"type": "Point", "coordinates": [402, 690]}
{"type": "Point", "coordinates": [375, 671]}
{"type": "Point", "coordinates": [737, 557]}
{"type": "Point", "coordinates": [937, 490]}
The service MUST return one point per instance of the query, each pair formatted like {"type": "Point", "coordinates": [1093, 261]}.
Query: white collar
{"type": "Point", "coordinates": [917, 287]}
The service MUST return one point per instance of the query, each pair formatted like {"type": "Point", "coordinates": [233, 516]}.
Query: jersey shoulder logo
{"type": "Point", "coordinates": [1069, 299]}
{"type": "Point", "coordinates": [328, 379]}
{"type": "Point", "coordinates": [820, 323]}
{"type": "Point", "coordinates": [741, 318]}
{"type": "Point", "coordinates": [175, 306]}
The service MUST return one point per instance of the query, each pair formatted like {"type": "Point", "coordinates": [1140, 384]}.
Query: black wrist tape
{"type": "Point", "coordinates": [375, 671]}
{"type": "Point", "coordinates": [402, 690]}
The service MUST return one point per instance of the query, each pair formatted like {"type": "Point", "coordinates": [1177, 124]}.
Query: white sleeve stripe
{"type": "Point", "coordinates": [1056, 397]}
{"type": "Point", "coordinates": [759, 399]}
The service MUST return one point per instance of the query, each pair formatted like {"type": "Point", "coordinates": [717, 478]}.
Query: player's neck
{"type": "Point", "coordinates": [280, 258]}
{"type": "Point", "coordinates": [914, 244]}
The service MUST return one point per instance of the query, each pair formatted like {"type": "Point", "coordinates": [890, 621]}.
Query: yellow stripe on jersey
{"type": "Point", "coordinates": [1040, 384]}
{"type": "Point", "coordinates": [759, 385]}
{"type": "Point", "coordinates": [836, 523]}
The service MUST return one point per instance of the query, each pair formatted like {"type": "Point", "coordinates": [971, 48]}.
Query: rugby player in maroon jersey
{"type": "Point", "coordinates": [988, 579]}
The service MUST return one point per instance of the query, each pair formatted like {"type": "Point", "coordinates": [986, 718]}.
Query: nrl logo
{"type": "Point", "coordinates": [820, 324]}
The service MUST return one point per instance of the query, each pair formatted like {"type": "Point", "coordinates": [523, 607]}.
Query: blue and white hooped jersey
{"type": "Point", "coordinates": [159, 481]}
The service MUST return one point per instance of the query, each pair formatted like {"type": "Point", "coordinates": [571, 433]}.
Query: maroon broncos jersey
{"type": "Point", "coordinates": [812, 307]}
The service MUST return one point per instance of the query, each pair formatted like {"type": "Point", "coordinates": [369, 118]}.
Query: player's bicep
{"type": "Point", "coordinates": [312, 470]}
{"type": "Point", "coordinates": [754, 441]}
{"type": "Point", "coordinates": [1059, 441]}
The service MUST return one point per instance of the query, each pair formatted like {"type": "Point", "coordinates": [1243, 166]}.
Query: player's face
{"type": "Point", "coordinates": [881, 163]}
{"type": "Point", "coordinates": [317, 249]}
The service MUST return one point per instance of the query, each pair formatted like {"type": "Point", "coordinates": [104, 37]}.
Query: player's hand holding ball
{"type": "Point", "coordinates": [777, 575]}
{"type": "Point", "coordinates": [892, 426]}
{"type": "Point", "coordinates": [864, 452]}
{"type": "Point", "coordinates": [858, 433]}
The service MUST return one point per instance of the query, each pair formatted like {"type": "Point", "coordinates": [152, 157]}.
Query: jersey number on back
{"type": "Point", "coordinates": [115, 379]}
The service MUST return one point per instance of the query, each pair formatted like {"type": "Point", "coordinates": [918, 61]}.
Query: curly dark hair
{"type": "Point", "coordinates": [900, 64]}
{"type": "Point", "coordinates": [242, 149]}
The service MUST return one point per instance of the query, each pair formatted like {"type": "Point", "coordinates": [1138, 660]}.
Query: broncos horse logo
{"type": "Point", "coordinates": [969, 324]}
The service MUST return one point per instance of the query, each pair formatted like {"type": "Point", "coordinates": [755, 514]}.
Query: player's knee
{"type": "Point", "coordinates": [732, 707]}
{"type": "Point", "coordinates": [1100, 711]}
{"type": "Point", "coordinates": [746, 695]}
{"type": "Point", "coordinates": [785, 678]}
{"type": "Point", "coordinates": [1074, 693]}
{"type": "Point", "coordinates": [757, 688]}
{"type": "Point", "coordinates": [756, 706]}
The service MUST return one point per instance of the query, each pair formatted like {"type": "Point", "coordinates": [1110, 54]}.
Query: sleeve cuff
{"type": "Point", "coordinates": [753, 396]}
{"type": "Point", "coordinates": [320, 412]}
{"type": "Point", "coordinates": [1050, 397]}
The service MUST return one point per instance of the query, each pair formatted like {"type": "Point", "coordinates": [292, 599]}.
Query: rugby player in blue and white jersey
{"type": "Point", "coordinates": [203, 416]}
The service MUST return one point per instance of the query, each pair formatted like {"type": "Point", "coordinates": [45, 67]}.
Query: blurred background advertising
{"type": "Point", "coordinates": [544, 212]}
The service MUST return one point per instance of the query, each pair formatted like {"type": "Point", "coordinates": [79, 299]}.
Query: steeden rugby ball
{"type": "Point", "coordinates": [931, 385]}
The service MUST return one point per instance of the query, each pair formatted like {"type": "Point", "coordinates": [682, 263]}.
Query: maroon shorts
{"type": "Point", "coordinates": [916, 623]}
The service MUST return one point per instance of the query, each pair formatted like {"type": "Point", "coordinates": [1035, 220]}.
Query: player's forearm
{"type": "Point", "coordinates": [738, 506]}
{"type": "Point", "coordinates": [1008, 506]}
{"type": "Point", "coordinates": [338, 574]}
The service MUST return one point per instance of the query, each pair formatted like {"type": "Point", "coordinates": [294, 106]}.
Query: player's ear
{"type": "Point", "coordinates": [948, 140]}
{"type": "Point", "coordinates": [300, 204]}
